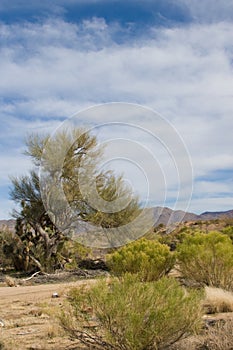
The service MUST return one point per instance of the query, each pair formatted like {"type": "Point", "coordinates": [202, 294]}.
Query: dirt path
{"type": "Point", "coordinates": [29, 315]}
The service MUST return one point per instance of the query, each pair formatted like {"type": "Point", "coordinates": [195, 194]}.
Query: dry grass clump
{"type": "Point", "coordinates": [218, 300]}
{"type": "Point", "coordinates": [54, 330]}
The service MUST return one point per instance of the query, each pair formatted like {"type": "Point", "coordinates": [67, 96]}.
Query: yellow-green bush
{"type": "Point", "coordinates": [228, 230]}
{"type": "Point", "coordinates": [131, 315]}
{"type": "Point", "coordinates": [149, 259]}
{"type": "Point", "coordinates": [207, 259]}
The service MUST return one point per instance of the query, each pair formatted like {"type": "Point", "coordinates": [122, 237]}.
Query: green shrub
{"type": "Point", "coordinates": [228, 230]}
{"type": "Point", "coordinates": [207, 259]}
{"type": "Point", "coordinates": [74, 252]}
{"type": "Point", "coordinates": [130, 315]}
{"type": "Point", "coordinates": [149, 259]}
{"type": "Point", "coordinates": [6, 237]}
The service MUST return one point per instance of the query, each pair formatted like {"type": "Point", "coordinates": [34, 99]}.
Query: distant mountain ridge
{"type": "Point", "coordinates": [162, 215]}
{"type": "Point", "coordinates": [7, 224]}
{"type": "Point", "coordinates": [216, 215]}
{"type": "Point", "coordinates": [167, 216]}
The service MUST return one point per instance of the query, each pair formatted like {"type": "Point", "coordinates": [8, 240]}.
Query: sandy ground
{"type": "Point", "coordinates": [29, 315]}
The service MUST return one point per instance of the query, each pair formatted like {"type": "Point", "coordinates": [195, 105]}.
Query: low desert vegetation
{"type": "Point", "coordinates": [228, 230]}
{"type": "Point", "coordinates": [26, 253]}
{"type": "Point", "coordinates": [6, 236]}
{"type": "Point", "coordinates": [150, 260]}
{"type": "Point", "coordinates": [207, 259]}
{"type": "Point", "coordinates": [127, 314]}
{"type": "Point", "coordinates": [218, 300]}
{"type": "Point", "coordinates": [140, 308]}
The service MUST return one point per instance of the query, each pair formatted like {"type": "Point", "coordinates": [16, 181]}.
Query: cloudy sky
{"type": "Point", "coordinates": [172, 56]}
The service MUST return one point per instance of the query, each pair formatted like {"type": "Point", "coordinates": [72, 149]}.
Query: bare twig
{"type": "Point", "coordinates": [29, 278]}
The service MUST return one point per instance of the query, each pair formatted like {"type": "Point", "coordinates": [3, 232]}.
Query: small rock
{"type": "Point", "coordinates": [2, 323]}
{"type": "Point", "coordinates": [55, 295]}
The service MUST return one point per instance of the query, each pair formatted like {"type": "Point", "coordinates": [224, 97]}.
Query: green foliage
{"type": "Point", "coordinates": [20, 252]}
{"type": "Point", "coordinates": [34, 247]}
{"type": "Point", "coordinates": [82, 155]}
{"type": "Point", "coordinates": [177, 236]}
{"type": "Point", "coordinates": [228, 230]}
{"type": "Point", "coordinates": [6, 237]}
{"type": "Point", "coordinates": [171, 239]}
{"type": "Point", "coordinates": [207, 259]}
{"type": "Point", "coordinates": [149, 259]}
{"type": "Point", "coordinates": [131, 315]}
{"type": "Point", "coordinates": [74, 253]}
{"type": "Point", "coordinates": [41, 239]}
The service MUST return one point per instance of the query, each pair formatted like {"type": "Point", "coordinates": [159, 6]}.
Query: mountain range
{"type": "Point", "coordinates": [162, 215]}
{"type": "Point", "coordinates": [168, 216]}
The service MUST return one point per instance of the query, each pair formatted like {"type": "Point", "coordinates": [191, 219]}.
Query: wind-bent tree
{"type": "Point", "coordinates": [70, 162]}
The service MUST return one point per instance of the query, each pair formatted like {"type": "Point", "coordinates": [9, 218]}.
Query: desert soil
{"type": "Point", "coordinates": [29, 316]}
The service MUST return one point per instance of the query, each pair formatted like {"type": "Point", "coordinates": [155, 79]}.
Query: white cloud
{"type": "Point", "coordinates": [52, 69]}
{"type": "Point", "coordinates": [210, 10]}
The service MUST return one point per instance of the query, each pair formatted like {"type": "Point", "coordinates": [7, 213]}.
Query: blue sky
{"type": "Point", "coordinates": [146, 12]}
{"type": "Point", "coordinates": [59, 57]}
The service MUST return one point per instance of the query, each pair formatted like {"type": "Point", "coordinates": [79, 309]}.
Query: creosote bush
{"type": "Point", "coordinates": [127, 314]}
{"type": "Point", "coordinates": [149, 259]}
{"type": "Point", "coordinates": [207, 259]}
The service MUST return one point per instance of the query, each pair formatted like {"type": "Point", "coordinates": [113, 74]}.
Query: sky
{"type": "Point", "coordinates": [175, 57]}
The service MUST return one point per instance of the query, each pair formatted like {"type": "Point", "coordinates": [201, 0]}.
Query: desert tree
{"type": "Point", "coordinates": [46, 219]}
